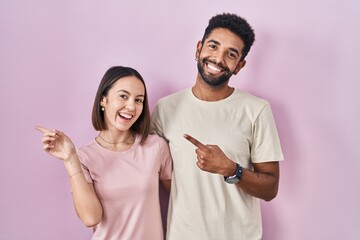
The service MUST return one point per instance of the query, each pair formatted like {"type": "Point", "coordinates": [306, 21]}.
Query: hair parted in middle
{"type": "Point", "coordinates": [112, 75]}
{"type": "Point", "coordinates": [235, 24]}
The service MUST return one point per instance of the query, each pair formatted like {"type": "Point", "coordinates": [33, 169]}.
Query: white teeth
{"type": "Point", "coordinates": [124, 115]}
{"type": "Point", "coordinates": [212, 67]}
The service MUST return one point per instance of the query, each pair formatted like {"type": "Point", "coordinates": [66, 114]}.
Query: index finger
{"type": "Point", "coordinates": [42, 129]}
{"type": "Point", "coordinates": [194, 141]}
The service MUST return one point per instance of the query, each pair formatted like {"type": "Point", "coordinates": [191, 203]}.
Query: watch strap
{"type": "Point", "coordinates": [234, 178]}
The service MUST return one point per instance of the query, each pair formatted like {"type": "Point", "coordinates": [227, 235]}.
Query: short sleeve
{"type": "Point", "coordinates": [266, 144]}
{"type": "Point", "coordinates": [166, 163]}
{"type": "Point", "coordinates": [156, 123]}
{"type": "Point", "coordinates": [85, 169]}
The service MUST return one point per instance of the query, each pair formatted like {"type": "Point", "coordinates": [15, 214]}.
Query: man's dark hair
{"type": "Point", "coordinates": [235, 24]}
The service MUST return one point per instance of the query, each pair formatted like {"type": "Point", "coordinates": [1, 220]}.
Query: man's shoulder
{"type": "Point", "coordinates": [174, 97]}
{"type": "Point", "coordinates": [249, 98]}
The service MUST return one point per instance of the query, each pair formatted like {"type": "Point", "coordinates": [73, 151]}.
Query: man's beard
{"type": "Point", "coordinates": [213, 81]}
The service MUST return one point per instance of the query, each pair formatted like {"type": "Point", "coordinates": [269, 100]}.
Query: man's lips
{"type": "Point", "coordinates": [214, 68]}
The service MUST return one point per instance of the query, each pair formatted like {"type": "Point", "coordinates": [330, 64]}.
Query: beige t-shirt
{"type": "Point", "coordinates": [202, 205]}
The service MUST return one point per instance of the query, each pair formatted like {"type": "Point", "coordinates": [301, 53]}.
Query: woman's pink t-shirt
{"type": "Point", "coordinates": [127, 184]}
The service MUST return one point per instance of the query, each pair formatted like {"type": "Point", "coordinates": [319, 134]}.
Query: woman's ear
{"type": "Point", "coordinates": [103, 101]}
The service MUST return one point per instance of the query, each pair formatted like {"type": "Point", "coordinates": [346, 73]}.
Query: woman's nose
{"type": "Point", "coordinates": [130, 105]}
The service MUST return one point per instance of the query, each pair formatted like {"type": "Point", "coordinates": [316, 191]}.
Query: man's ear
{"type": "Point", "coordinates": [198, 50]}
{"type": "Point", "coordinates": [240, 65]}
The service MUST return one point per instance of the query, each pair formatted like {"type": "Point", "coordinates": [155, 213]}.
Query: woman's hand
{"type": "Point", "coordinates": [57, 144]}
{"type": "Point", "coordinates": [87, 204]}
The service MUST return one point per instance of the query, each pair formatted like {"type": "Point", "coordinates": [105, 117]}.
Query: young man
{"type": "Point", "coordinates": [230, 160]}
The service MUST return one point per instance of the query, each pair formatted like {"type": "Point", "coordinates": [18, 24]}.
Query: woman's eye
{"type": "Point", "coordinates": [123, 96]}
{"type": "Point", "coordinates": [139, 100]}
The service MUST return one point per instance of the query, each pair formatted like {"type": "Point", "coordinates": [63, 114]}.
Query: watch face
{"type": "Point", "coordinates": [236, 177]}
{"type": "Point", "coordinates": [232, 179]}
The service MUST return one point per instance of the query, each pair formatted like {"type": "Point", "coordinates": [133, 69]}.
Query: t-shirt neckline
{"type": "Point", "coordinates": [203, 102]}
{"type": "Point", "coordinates": [131, 149]}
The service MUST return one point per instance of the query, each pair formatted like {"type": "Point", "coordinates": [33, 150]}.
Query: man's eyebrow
{"type": "Point", "coordinates": [218, 43]}
{"type": "Point", "coordinates": [214, 41]}
{"type": "Point", "coordinates": [235, 50]}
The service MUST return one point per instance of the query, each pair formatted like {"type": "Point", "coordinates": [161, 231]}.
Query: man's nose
{"type": "Point", "coordinates": [219, 58]}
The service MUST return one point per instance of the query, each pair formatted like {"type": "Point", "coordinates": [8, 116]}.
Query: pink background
{"type": "Point", "coordinates": [305, 62]}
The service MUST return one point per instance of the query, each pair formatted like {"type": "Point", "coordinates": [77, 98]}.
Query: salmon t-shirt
{"type": "Point", "coordinates": [127, 184]}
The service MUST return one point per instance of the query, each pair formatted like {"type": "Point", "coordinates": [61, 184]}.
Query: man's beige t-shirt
{"type": "Point", "coordinates": [202, 205]}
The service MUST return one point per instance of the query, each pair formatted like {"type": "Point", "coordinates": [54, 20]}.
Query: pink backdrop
{"type": "Point", "coordinates": [305, 62]}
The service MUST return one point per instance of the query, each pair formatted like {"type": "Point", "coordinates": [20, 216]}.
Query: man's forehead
{"type": "Point", "coordinates": [223, 36]}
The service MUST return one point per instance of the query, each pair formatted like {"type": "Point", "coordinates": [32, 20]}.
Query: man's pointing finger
{"type": "Point", "coordinates": [194, 141]}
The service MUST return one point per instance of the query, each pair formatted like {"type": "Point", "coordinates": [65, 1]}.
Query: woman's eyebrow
{"type": "Point", "coordinates": [122, 90]}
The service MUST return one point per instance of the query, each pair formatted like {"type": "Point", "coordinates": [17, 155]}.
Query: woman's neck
{"type": "Point", "coordinates": [118, 142]}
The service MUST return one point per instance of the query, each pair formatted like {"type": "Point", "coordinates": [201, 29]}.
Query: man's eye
{"type": "Point", "coordinates": [212, 46]}
{"type": "Point", "coordinates": [232, 55]}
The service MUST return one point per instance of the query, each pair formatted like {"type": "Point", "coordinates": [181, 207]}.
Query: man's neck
{"type": "Point", "coordinates": [205, 92]}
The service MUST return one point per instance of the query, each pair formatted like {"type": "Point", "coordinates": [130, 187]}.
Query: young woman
{"type": "Point", "coordinates": [115, 179]}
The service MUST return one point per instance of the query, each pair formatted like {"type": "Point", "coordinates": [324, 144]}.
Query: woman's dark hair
{"type": "Point", "coordinates": [235, 24]}
{"type": "Point", "coordinates": [142, 124]}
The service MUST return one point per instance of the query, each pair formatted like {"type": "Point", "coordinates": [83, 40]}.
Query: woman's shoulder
{"type": "Point", "coordinates": [90, 146]}
{"type": "Point", "coordinates": [87, 149]}
{"type": "Point", "coordinates": [155, 141]}
{"type": "Point", "coordinates": [156, 146]}
{"type": "Point", "coordinates": [154, 138]}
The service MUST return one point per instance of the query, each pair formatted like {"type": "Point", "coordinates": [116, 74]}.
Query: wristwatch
{"type": "Point", "coordinates": [235, 178]}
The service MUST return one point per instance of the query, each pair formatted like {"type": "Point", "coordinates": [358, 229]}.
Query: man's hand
{"type": "Point", "coordinates": [211, 158]}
